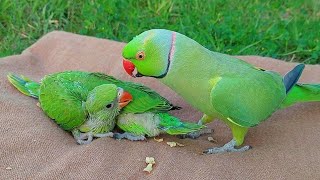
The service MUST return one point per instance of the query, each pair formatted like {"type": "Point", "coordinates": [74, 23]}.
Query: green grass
{"type": "Point", "coordinates": [288, 30]}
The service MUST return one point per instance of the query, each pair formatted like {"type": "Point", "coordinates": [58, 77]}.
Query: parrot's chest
{"type": "Point", "coordinates": [196, 91]}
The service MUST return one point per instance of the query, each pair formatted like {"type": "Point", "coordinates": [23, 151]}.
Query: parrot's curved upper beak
{"type": "Point", "coordinates": [128, 67]}
{"type": "Point", "coordinates": [124, 99]}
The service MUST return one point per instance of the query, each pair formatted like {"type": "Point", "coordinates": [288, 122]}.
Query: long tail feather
{"type": "Point", "coordinates": [25, 85]}
{"type": "Point", "coordinates": [302, 93]}
{"type": "Point", "coordinates": [175, 126]}
{"type": "Point", "coordinates": [291, 78]}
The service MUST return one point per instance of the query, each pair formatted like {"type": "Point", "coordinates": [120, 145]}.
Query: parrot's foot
{"type": "Point", "coordinates": [84, 138]}
{"type": "Point", "coordinates": [108, 134]}
{"type": "Point", "coordinates": [196, 134]}
{"type": "Point", "coordinates": [128, 136]}
{"type": "Point", "coordinates": [229, 147]}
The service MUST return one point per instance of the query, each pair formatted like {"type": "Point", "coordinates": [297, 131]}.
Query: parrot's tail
{"type": "Point", "coordinates": [175, 126]}
{"type": "Point", "coordinates": [292, 77]}
{"type": "Point", "coordinates": [302, 93]}
{"type": "Point", "coordinates": [25, 85]}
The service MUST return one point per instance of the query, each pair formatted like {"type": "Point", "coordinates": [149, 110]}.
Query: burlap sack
{"type": "Point", "coordinates": [286, 146]}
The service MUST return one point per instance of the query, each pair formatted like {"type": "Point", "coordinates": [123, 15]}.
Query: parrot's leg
{"type": "Point", "coordinates": [205, 119]}
{"type": "Point", "coordinates": [108, 134]}
{"type": "Point", "coordinates": [129, 136]}
{"type": "Point", "coordinates": [238, 133]}
{"type": "Point", "coordinates": [196, 134]}
{"type": "Point", "coordinates": [82, 138]}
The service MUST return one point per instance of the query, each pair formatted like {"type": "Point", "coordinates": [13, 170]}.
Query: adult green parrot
{"type": "Point", "coordinates": [87, 109]}
{"type": "Point", "coordinates": [147, 114]}
{"type": "Point", "coordinates": [219, 85]}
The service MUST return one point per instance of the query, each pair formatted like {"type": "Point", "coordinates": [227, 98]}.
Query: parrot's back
{"type": "Point", "coordinates": [223, 86]}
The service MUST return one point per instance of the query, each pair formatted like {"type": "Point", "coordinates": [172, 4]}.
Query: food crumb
{"type": "Point", "coordinates": [150, 161]}
{"type": "Point", "coordinates": [211, 139]}
{"type": "Point", "coordinates": [158, 140]}
{"type": "Point", "coordinates": [174, 144]}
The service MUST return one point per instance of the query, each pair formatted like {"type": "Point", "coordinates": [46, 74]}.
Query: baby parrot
{"type": "Point", "coordinates": [219, 85]}
{"type": "Point", "coordinates": [87, 109]}
{"type": "Point", "coordinates": [147, 114]}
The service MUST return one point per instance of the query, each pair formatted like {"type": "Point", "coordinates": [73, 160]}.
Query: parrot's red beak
{"type": "Point", "coordinates": [124, 99]}
{"type": "Point", "coordinates": [128, 67]}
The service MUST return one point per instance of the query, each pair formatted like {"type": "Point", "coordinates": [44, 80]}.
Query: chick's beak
{"type": "Point", "coordinates": [124, 99]}
{"type": "Point", "coordinates": [128, 67]}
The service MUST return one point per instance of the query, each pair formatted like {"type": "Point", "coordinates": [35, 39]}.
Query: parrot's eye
{"type": "Point", "coordinates": [140, 55]}
{"type": "Point", "coordinates": [109, 105]}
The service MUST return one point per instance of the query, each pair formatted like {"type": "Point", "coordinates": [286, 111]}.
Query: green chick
{"type": "Point", "coordinates": [145, 115]}
{"type": "Point", "coordinates": [77, 105]}
{"type": "Point", "coordinates": [219, 85]}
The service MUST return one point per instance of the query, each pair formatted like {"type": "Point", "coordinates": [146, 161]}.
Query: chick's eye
{"type": "Point", "coordinates": [140, 55]}
{"type": "Point", "coordinates": [109, 106]}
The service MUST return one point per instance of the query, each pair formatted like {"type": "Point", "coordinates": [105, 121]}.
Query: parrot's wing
{"type": "Point", "coordinates": [246, 101]}
{"type": "Point", "coordinates": [144, 98]}
{"type": "Point", "coordinates": [134, 128]}
{"type": "Point", "coordinates": [62, 100]}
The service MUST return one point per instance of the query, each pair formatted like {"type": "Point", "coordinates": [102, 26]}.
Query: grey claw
{"type": "Point", "coordinates": [118, 136]}
{"type": "Point", "coordinates": [182, 136]}
{"type": "Point", "coordinates": [81, 140]}
{"type": "Point", "coordinates": [228, 147]}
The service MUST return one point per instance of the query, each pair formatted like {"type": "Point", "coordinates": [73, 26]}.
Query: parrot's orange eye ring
{"type": "Point", "coordinates": [140, 55]}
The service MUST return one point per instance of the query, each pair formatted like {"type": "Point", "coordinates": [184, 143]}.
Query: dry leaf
{"type": "Point", "coordinates": [38, 104]}
{"type": "Point", "coordinates": [150, 160]}
{"type": "Point", "coordinates": [148, 168]}
{"type": "Point", "coordinates": [8, 168]}
{"type": "Point", "coordinates": [158, 140]}
{"type": "Point", "coordinates": [211, 139]}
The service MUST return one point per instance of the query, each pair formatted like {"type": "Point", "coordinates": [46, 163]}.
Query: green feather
{"type": "Point", "coordinates": [302, 93]}
{"type": "Point", "coordinates": [57, 93]}
{"type": "Point", "coordinates": [134, 128]}
{"type": "Point", "coordinates": [152, 124]}
{"type": "Point", "coordinates": [174, 126]}
{"type": "Point", "coordinates": [144, 99]}
{"type": "Point", "coordinates": [24, 85]}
